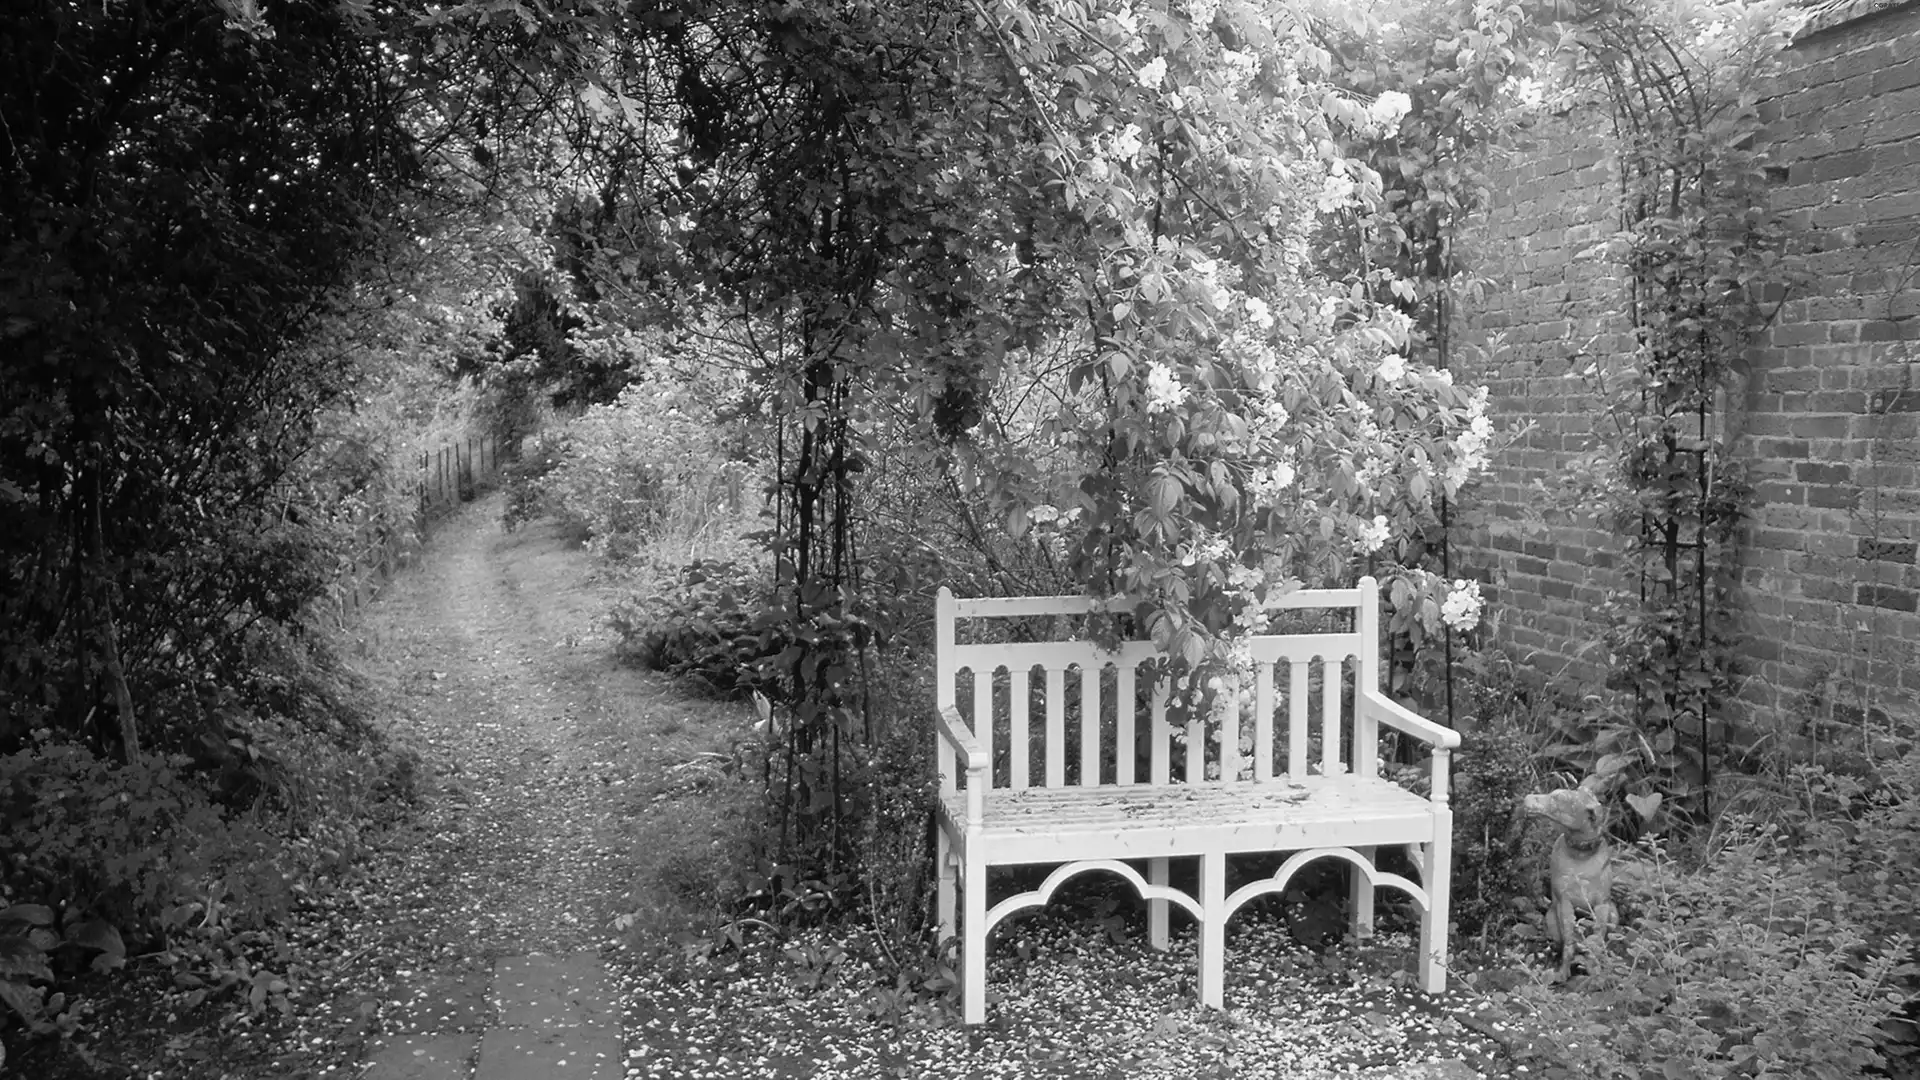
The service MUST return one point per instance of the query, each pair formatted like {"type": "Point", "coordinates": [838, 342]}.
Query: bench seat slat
{"type": "Point", "coordinates": [1140, 821]}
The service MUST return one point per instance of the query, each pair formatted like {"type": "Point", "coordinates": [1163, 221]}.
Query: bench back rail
{"type": "Point", "coordinates": [1054, 713]}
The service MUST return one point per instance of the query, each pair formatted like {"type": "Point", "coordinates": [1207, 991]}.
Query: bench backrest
{"type": "Point", "coordinates": [1051, 713]}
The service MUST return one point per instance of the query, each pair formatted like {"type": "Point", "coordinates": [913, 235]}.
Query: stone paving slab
{"type": "Point", "coordinates": [587, 1052]}
{"type": "Point", "coordinates": [538, 991]}
{"type": "Point", "coordinates": [451, 1003]}
{"type": "Point", "coordinates": [422, 1057]}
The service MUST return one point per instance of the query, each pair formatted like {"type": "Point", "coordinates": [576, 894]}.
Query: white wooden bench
{"type": "Point", "coordinates": [1298, 786]}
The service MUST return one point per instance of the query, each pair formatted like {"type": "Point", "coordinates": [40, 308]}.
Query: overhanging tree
{"type": "Point", "coordinates": [185, 191]}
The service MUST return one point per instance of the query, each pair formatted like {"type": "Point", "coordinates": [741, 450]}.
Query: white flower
{"type": "Point", "coordinates": [1336, 191]}
{"type": "Point", "coordinates": [1164, 391]}
{"type": "Point", "coordinates": [1389, 108]}
{"type": "Point", "coordinates": [1393, 367]}
{"type": "Point", "coordinates": [1202, 11]}
{"type": "Point", "coordinates": [1267, 484]}
{"type": "Point", "coordinates": [1241, 66]}
{"type": "Point", "coordinates": [1461, 609]}
{"type": "Point", "coordinates": [1375, 536]}
{"type": "Point", "coordinates": [1153, 72]}
{"type": "Point", "coordinates": [1471, 447]}
{"type": "Point", "coordinates": [1126, 143]}
{"type": "Point", "coordinates": [1258, 311]}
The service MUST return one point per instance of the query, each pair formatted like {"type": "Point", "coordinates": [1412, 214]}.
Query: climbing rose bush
{"type": "Point", "coordinates": [1239, 423]}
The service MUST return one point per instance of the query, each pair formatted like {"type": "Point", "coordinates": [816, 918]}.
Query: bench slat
{"type": "Point", "coordinates": [1060, 654]}
{"type": "Point", "coordinates": [1056, 726]}
{"type": "Point", "coordinates": [1263, 721]}
{"type": "Point", "coordinates": [983, 709]}
{"type": "Point", "coordinates": [1276, 647]}
{"type": "Point", "coordinates": [1329, 718]}
{"type": "Point", "coordinates": [1159, 768]}
{"type": "Point", "coordinates": [1020, 698]}
{"type": "Point", "coordinates": [1297, 683]}
{"type": "Point", "coordinates": [1125, 689]}
{"type": "Point", "coordinates": [1090, 725]}
{"type": "Point", "coordinates": [1196, 747]}
{"type": "Point", "coordinates": [1227, 709]}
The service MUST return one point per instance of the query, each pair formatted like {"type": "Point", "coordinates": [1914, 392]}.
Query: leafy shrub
{"type": "Point", "coordinates": [101, 848]}
{"type": "Point", "coordinates": [1492, 861]}
{"type": "Point", "coordinates": [1753, 964]}
{"type": "Point", "coordinates": [893, 805]}
{"type": "Point", "coordinates": [122, 842]}
{"type": "Point", "coordinates": [651, 465]}
{"type": "Point", "coordinates": [704, 624]}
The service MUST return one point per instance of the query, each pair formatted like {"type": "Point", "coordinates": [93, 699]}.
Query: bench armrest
{"type": "Point", "coordinates": [1395, 715]}
{"type": "Point", "coordinates": [953, 729]}
{"type": "Point", "coordinates": [972, 755]}
{"type": "Point", "coordinates": [1376, 706]}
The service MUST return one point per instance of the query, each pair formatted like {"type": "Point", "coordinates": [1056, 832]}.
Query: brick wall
{"type": "Point", "coordinates": [1830, 421]}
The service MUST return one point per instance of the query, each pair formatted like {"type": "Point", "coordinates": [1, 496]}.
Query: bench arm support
{"type": "Point", "coordinates": [1395, 715]}
{"type": "Point", "coordinates": [1378, 706]}
{"type": "Point", "coordinates": [973, 758]}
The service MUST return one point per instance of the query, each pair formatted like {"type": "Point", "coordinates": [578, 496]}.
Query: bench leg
{"type": "Point", "coordinates": [973, 970]}
{"type": "Point", "coordinates": [1213, 928]}
{"type": "Point", "coordinates": [1360, 897]}
{"type": "Point", "coordinates": [1157, 909]}
{"type": "Point", "coordinates": [1437, 877]}
{"type": "Point", "coordinates": [943, 870]}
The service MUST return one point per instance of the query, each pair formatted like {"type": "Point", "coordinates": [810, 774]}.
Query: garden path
{"type": "Point", "coordinates": [535, 741]}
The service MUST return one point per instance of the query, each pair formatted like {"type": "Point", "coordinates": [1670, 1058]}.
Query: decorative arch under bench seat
{"type": "Point", "coordinates": [1055, 749]}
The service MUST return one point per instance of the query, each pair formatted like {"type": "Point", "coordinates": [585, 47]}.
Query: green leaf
{"type": "Point", "coordinates": [1163, 494]}
{"type": "Point", "coordinates": [97, 934]}
{"type": "Point", "coordinates": [31, 914]}
{"type": "Point", "coordinates": [24, 1000]}
{"type": "Point", "coordinates": [1612, 764]}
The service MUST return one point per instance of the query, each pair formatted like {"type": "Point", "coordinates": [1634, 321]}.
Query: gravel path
{"type": "Point", "coordinates": [484, 934]}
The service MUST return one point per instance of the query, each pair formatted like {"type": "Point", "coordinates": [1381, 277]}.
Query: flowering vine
{"type": "Point", "coordinates": [1237, 423]}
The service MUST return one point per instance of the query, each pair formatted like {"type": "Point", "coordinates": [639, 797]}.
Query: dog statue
{"type": "Point", "coordinates": [1581, 867]}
